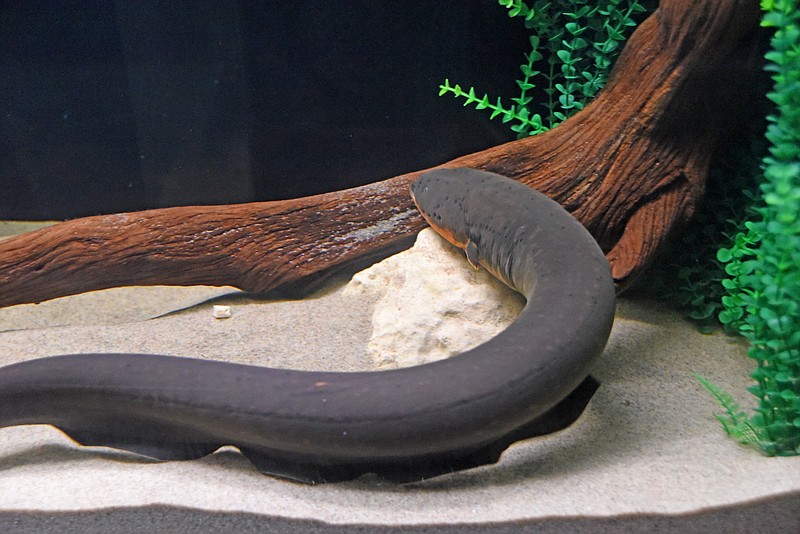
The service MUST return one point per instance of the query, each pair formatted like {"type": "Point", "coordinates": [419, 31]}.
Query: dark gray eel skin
{"type": "Point", "coordinates": [405, 424]}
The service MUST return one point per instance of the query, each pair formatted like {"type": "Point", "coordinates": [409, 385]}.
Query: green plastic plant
{"type": "Point", "coordinates": [735, 420]}
{"type": "Point", "coordinates": [763, 262]}
{"type": "Point", "coordinates": [573, 46]}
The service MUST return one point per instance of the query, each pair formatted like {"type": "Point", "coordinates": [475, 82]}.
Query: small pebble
{"type": "Point", "coordinates": [221, 312]}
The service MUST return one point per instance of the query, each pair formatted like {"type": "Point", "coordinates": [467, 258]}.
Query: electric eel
{"type": "Point", "coordinates": [404, 424]}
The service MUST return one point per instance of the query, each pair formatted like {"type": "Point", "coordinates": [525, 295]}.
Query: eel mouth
{"type": "Point", "coordinates": [444, 232]}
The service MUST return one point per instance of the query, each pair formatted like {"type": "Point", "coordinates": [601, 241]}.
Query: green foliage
{"type": "Point", "coordinates": [573, 46]}
{"type": "Point", "coordinates": [735, 420]}
{"type": "Point", "coordinates": [763, 262]}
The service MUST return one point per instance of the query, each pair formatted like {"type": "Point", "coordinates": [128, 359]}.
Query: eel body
{"type": "Point", "coordinates": [404, 424]}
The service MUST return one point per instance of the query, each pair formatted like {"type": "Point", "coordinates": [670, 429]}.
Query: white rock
{"type": "Point", "coordinates": [432, 304]}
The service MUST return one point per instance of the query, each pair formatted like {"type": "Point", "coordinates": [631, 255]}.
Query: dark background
{"type": "Point", "coordinates": [110, 106]}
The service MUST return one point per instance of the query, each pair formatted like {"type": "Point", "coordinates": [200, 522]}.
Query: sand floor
{"type": "Point", "coordinates": [646, 454]}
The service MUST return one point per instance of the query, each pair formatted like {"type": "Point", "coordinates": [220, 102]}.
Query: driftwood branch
{"type": "Point", "coordinates": [631, 167]}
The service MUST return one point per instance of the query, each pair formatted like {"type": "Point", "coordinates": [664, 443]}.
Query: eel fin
{"type": "Point", "coordinates": [560, 416]}
{"type": "Point", "coordinates": [309, 473]}
{"type": "Point", "coordinates": [152, 448]}
{"type": "Point", "coordinates": [163, 443]}
{"type": "Point", "coordinates": [416, 469]}
{"type": "Point", "coordinates": [472, 254]}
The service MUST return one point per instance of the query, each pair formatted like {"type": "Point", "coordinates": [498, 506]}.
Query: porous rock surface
{"type": "Point", "coordinates": [432, 304]}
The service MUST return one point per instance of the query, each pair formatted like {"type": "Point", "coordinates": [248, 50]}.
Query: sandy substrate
{"type": "Point", "coordinates": [647, 454]}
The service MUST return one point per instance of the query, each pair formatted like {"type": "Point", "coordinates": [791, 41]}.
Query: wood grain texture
{"type": "Point", "coordinates": [631, 167]}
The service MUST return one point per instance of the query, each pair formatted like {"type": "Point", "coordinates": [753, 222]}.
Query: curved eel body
{"type": "Point", "coordinates": [404, 424]}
